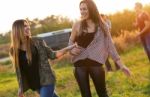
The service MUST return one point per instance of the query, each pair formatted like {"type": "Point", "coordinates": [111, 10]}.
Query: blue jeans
{"type": "Point", "coordinates": [48, 91]}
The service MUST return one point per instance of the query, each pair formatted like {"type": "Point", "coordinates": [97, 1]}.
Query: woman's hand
{"type": "Point", "coordinates": [126, 71]}
{"type": "Point", "coordinates": [76, 50]}
{"type": "Point", "coordinates": [123, 68]}
{"type": "Point", "coordinates": [70, 47]}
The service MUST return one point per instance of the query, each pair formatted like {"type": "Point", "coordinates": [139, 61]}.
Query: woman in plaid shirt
{"type": "Point", "coordinates": [94, 45]}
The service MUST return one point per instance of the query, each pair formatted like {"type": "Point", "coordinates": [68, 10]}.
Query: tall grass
{"type": "Point", "coordinates": [118, 85]}
{"type": "Point", "coordinates": [126, 40]}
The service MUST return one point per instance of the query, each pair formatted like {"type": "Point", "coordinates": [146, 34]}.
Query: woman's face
{"type": "Point", "coordinates": [84, 11]}
{"type": "Point", "coordinates": [27, 29]}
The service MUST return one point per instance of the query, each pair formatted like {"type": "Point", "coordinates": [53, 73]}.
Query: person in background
{"type": "Point", "coordinates": [30, 57]}
{"type": "Point", "coordinates": [94, 44]}
{"type": "Point", "coordinates": [142, 22]}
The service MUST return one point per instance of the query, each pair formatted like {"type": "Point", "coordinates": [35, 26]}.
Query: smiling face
{"type": "Point", "coordinates": [84, 11]}
{"type": "Point", "coordinates": [27, 29]}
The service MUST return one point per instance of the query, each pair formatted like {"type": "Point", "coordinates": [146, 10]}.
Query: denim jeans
{"type": "Point", "coordinates": [48, 91]}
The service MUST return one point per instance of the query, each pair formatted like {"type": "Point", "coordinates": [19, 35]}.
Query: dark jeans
{"type": "Point", "coordinates": [146, 44]}
{"type": "Point", "coordinates": [97, 74]}
{"type": "Point", "coordinates": [48, 91]}
{"type": "Point", "coordinates": [109, 67]}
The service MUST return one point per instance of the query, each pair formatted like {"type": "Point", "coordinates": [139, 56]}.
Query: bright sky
{"type": "Point", "coordinates": [17, 9]}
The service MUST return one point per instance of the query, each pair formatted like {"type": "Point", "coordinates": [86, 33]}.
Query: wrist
{"type": "Point", "coordinates": [120, 64]}
{"type": "Point", "coordinates": [65, 51]}
{"type": "Point", "coordinates": [122, 67]}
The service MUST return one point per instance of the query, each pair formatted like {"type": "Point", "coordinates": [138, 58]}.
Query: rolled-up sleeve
{"type": "Point", "coordinates": [50, 53]}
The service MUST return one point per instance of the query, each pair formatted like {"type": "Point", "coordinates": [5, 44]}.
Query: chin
{"type": "Point", "coordinates": [84, 18]}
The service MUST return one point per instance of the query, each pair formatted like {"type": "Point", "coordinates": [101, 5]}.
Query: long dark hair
{"type": "Point", "coordinates": [94, 15]}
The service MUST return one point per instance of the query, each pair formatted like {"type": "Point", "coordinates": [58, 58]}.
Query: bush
{"type": "Point", "coordinates": [126, 40]}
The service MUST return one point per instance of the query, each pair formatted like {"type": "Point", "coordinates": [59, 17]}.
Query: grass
{"type": "Point", "coordinates": [118, 85]}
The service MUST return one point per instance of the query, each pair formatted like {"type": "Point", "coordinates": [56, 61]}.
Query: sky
{"type": "Point", "coordinates": [20, 9]}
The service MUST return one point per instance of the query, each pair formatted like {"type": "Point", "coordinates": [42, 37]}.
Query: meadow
{"type": "Point", "coordinates": [118, 85]}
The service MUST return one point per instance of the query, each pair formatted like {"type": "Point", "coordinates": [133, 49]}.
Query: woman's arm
{"type": "Point", "coordinates": [115, 56]}
{"type": "Point", "coordinates": [146, 28]}
{"type": "Point", "coordinates": [74, 33]}
{"type": "Point", "coordinates": [56, 54]}
{"type": "Point", "coordinates": [61, 52]}
{"type": "Point", "coordinates": [123, 68]}
{"type": "Point", "coordinates": [146, 18]}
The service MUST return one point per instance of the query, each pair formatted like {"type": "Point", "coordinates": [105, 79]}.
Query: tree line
{"type": "Point", "coordinates": [120, 21]}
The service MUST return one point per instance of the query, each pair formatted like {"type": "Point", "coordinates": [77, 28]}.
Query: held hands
{"type": "Point", "coordinates": [71, 47]}
{"type": "Point", "coordinates": [76, 50]}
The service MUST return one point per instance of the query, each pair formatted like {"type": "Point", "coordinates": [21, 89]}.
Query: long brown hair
{"type": "Point", "coordinates": [17, 39]}
{"type": "Point", "coordinates": [94, 15]}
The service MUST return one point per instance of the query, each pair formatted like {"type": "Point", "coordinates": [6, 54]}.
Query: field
{"type": "Point", "coordinates": [118, 85]}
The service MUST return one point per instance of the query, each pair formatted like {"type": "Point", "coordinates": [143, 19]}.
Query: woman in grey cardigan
{"type": "Point", "coordinates": [30, 57]}
{"type": "Point", "coordinates": [94, 45]}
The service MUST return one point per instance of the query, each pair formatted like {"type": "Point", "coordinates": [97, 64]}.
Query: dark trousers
{"type": "Point", "coordinates": [97, 74]}
{"type": "Point", "coordinates": [146, 43]}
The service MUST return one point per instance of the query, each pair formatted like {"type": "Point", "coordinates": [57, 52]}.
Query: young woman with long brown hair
{"type": "Point", "coordinates": [30, 57]}
{"type": "Point", "coordinates": [94, 45]}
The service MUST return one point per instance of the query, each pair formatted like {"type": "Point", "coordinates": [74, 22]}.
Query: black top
{"type": "Point", "coordinates": [30, 72]}
{"type": "Point", "coordinates": [85, 39]}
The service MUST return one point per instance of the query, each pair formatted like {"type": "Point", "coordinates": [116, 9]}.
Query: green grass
{"type": "Point", "coordinates": [118, 85]}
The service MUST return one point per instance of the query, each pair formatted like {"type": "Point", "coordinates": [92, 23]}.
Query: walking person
{"type": "Point", "coordinates": [143, 23]}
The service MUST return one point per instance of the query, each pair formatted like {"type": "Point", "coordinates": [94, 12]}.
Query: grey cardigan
{"type": "Point", "coordinates": [99, 49]}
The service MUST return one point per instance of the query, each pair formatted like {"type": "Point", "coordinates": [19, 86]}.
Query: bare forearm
{"type": "Point", "coordinates": [61, 52]}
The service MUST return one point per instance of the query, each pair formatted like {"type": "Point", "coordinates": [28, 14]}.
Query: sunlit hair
{"type": "Point", "coordinates": [94, 15]}
{"type": "Point", "coordinates": [139, 5]}
{"type": "Point", "coordinates": [17, 39]}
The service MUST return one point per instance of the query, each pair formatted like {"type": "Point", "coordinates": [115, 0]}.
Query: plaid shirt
{"type": "Point", "coordinates": [99, 49]}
